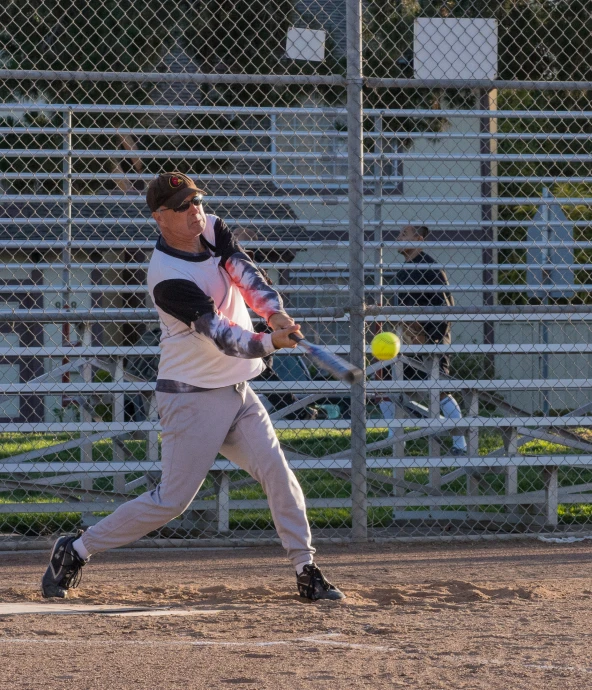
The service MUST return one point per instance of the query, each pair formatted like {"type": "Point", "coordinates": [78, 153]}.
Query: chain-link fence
{"type": "Point", "coordinates": [405, 166]}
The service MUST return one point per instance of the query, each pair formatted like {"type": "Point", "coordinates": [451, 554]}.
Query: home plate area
{"type": "Point", "coordinates": [457, 615]}
{"type": "Point", "coordinates": [104, 610]}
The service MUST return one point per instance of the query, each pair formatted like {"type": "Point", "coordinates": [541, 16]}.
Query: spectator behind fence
{"type": "Point", "coordinates": [425, 332]}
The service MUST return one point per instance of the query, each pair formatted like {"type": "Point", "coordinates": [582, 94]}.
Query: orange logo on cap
{"type": "Point", "coordinates": [175, 181]}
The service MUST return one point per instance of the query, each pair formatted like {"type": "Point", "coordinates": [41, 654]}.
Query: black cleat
{"type": "Point", "coordinates": [312, 585]}
{"type": "Point", "coordinates": [64, 569]}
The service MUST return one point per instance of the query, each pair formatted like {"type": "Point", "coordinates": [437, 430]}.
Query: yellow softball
{"type": "Point", "coordinates": [385, 346]}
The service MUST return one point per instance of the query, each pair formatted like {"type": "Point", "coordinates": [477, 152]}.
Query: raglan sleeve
{"type": "Point", "coordinates": [252, 284]}
{"type": "Point", "coordinates": [187, 302]}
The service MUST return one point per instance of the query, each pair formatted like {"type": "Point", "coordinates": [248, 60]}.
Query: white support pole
{"type": "Point", "coordinates": [435, 450]}
{"type": "Point", "coordinates": [118, 409]}
{"type": "Point", "coordinates": [86, 448]}
{"type": "Point", "coordinates": [119, 483]}
{"type": "Point", "coordinates": [398, 445]}
{"type": "Point", "coordinates": [152, 436]}
{"type": "Point", "coordinates": [223, 481]}
{"type": "Point", "coordinates": [472, 450]}
{"type": "Point", "coordinates": [551, 478]}
{"type": "Point", "coordinates": [85, 415]}
{"type": "Point", "coordinates": [510, 436]}
{"type": "Point", "coordinates": [472, 434]}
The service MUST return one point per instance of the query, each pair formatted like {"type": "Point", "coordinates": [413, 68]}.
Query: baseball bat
{"type": "Point", "coordinates": [326, 360]}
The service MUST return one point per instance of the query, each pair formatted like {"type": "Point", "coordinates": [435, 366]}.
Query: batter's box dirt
{"type": "Point", "coordinates": [438, 593]}
{"type": "Point", "coordinates": [454, 592]}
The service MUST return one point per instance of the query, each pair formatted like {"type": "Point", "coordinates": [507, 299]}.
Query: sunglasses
{"type": "Point", "coordinates": [196, 201]}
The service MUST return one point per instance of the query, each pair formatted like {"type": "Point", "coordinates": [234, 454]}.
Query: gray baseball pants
{"type": "Point", "coordinates": [195, 427]}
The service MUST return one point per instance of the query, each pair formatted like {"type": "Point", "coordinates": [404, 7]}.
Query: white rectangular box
{"type": "Point", "coordinates": [305, 44]}
{"type": "Point", "coordinates": [455, 48]}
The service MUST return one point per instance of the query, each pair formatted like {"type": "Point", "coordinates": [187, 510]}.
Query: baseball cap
{"type": "Point", "coordinates": [170, 190]}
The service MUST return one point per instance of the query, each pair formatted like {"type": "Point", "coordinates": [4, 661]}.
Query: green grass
{"type": "Point", "coordinates": [315, 483]}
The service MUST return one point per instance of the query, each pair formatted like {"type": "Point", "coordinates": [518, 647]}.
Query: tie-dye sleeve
{"type": "Point", "coordinates": [184, 300]}
{"type": "Point", "coordinates": [256, 291]}
{"type": "Point", "coordinates": [233, 340]}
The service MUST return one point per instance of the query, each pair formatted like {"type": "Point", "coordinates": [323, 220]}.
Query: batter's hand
{"type": "Point", "coordinates": [281, 338]}
{"type": "Point", "coordinates": [278, 321]}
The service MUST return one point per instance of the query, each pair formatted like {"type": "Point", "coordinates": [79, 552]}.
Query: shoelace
{"type": "Point", "coordinates": [320, 578]}
{"type": "Point", "coordinates": [73, 574]}
{"type": "Point", "coordinates": [315, 576]}
{"type": "Point", "coordinates": [72, 579]}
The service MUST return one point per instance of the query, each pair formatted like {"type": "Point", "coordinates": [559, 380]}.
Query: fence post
{"type": "Point", "coordinates": [378, 193]}
{"type": "Point", "coordinates": [67, 233]}
{"type": "Point", "coordinates": [356, 267]}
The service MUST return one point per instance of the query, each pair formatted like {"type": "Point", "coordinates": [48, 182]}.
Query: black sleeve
{"type": "Point", "coordinates": [252, 283]}
{"type": "Point", "coordinates": [183, 299]}
{"type": "Point", "coordinates": [226, 243]}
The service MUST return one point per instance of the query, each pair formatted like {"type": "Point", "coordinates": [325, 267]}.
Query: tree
{"type": "Point", "coordinates": [76, 35]}
{"type": "Point", "coordinates": [113, 35]}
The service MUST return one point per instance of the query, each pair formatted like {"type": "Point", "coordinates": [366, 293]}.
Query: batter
{"type": "Point", "coordinates": [201, 283]}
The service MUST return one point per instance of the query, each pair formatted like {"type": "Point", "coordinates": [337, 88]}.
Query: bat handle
{"type": "Point", "coordinates": [295, 338]}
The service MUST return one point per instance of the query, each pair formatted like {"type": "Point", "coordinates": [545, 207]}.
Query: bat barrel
{"type": "Point", "coordinates": [325, 360]}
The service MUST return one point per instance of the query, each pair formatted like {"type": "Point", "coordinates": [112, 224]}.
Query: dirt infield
{"type": "Point", "coordinates": [482, 615]}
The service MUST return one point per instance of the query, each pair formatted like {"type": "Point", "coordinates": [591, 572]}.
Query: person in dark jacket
{"type": "Point", "coordinates": [436, 332]}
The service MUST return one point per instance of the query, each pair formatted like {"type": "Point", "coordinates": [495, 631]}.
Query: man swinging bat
{"type": "Point", "coordinates": [201, 282]}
